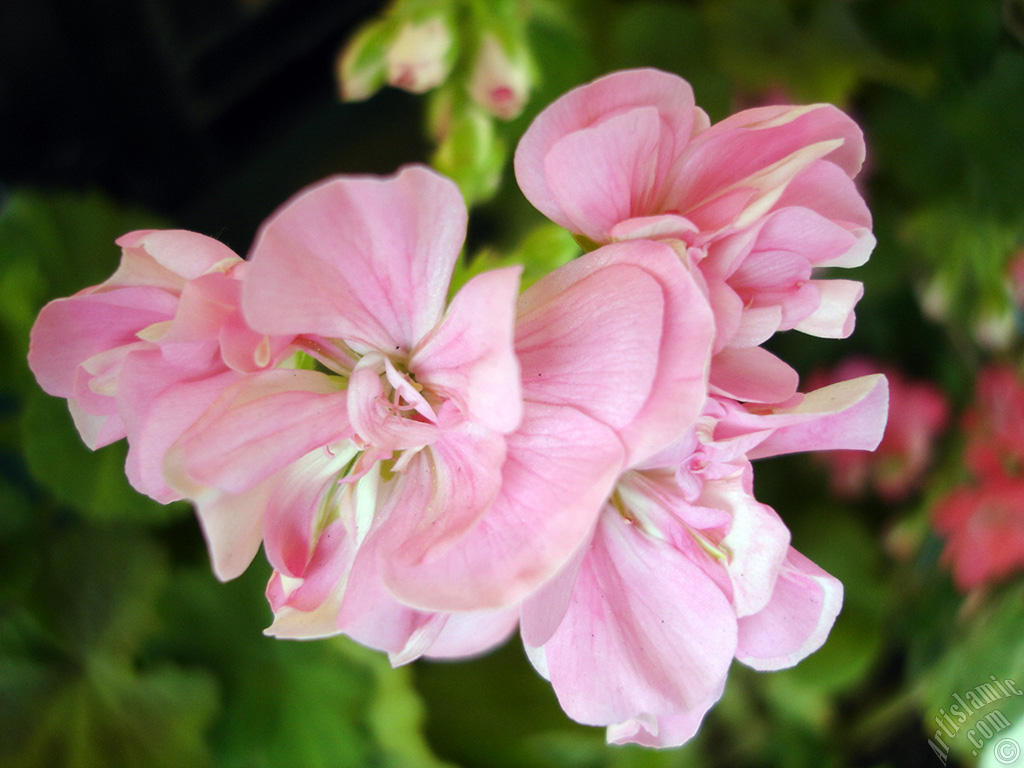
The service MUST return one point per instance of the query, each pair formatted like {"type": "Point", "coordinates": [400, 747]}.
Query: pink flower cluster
{"type": "Point", "coordinates": [425, 475]}
{"type": "Point", "coordinates": [984, 519]}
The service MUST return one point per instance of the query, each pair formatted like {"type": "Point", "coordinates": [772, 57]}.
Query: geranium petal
{"type": "Point", "coordinates": [470, 357]}
{"type": "Point", "coordinates": [847, 415]}
{"type": "Point", "coordinates": [753, 375]}
{"type": "Point", "coordinates": [258, 426]}
{"type": "Point", "coordinates": [362, 259]}
{"type": "Point", "coordinates": [646, 632]}
{"type": "Point", "coordinates": [797, 619]}
{"type": "Point", "coordinates": [587, 105]}
{"type": "Point", "coordinates": [560, 467]}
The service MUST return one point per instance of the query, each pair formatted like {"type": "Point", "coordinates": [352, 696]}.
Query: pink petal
{"type": "Point", "coordinates": [441, 494]}
{"type": "Point", "coordinates": [560, 467]}
{"type": "Point", "coordinates": [848, 415]}
{"type": "Point", "coordinates": [834, 318]}
{"type": "Point", "coordinates": [589, 105]}
{"type": "Point", "coordinates": [623, 333]}
{"type": "Point", "coordinates": [753, 375]}
{"type": "Point", "coordinates": [373, 418]}
{"type": "Point", "coordinates": [757, 542]}
{"type": "Point", "coordinates": [543, 611]}
{"type": "Point", "coordinates": [472, 633]}
{"type": "Point", "coordinates": [592, 344]}
{"type": "Point", "coordinates": [261, 425]}
{"type": "Point", "coordinates": [70, 331]}
{"type": "Point", "coordinates": [470, 356]}
{"type": "Point", "coordinates": [232, 525]}
{"type": "Point", "coordinates": [671, 730]}
{"type": "Point", "coordinates": [828, 190]}
{"type": "Point", "coordinates": [362, 259]}
{"type": "Point", "coordinates": [607, 173]}
{"type": "Point", "coordinates": [757, 325]}
{"type": "Point", "coordinates": [796, 621]}
{"type": "Point", "coordinates": [158, 404]}
{"type": "Point", "coordinates": [646, 632]}
{"type": "Point", "coordinates": [168, 258]}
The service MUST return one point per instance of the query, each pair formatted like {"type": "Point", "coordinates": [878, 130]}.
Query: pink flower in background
{"type": "Point", "coordinates": [144, 353]}
{"type": "Point", "coordinates": [984, 529]}
{"type": "Point", "coordinates": [757, 201]}
{"type": "Point", "coordinates": [919, 412]}
{"type": "Point", "coordinates": [686, 570]}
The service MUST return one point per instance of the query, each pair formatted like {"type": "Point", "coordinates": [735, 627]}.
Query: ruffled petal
{"type": "Point", "coordinates": [470, 357]}
{"type": "Point", "coordinates": [588, 105]}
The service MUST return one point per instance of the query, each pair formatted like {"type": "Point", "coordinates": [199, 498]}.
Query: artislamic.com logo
{"type": "Point", "coordinates": [965, 714]}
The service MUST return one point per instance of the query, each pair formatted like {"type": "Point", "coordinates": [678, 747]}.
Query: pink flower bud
{"type": "Point", "coordinates": [501, 78]}
{"type": "Point", "coordinates": [422, 55]}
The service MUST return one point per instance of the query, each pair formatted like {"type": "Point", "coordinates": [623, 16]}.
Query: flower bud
{"type": "Point", "coordinates": [502, 76]}
{"type": "Point", "coordinates": [361, 68]}
{"type": "Point", "coordinates": [422, 54]}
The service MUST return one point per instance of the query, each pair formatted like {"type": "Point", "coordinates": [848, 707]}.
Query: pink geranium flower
{"type": "Point", "coordinates": [145, 352]}
{"type": "Point", "coordinates": [686, 570]}
{"type": "Point", "coordinates": [442, 464]}
{"type": "Point", "coordinates": [919, 413]}
{"type": "Point", "coordinates": [758, 201]}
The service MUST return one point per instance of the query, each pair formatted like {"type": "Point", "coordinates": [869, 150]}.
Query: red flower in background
{"type": "Point", "coordinates": [984, 521]}
{"type": "Point", "coordinates": [985, 530]}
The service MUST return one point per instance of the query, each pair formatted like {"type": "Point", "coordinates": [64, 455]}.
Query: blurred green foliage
{"type": "Point", "coordinates": [119, 648]}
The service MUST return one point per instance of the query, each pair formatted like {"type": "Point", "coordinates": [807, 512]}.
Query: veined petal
{"type": "Point", "coordinates": [646, 631]}
{"type": "Point", "coordinates": [258, 426]}
{"type": "Point", "coordinates": [624, 334]}
{"type": "Point", "coordinates": [593, 343]}
{"type": "Point", "coordinates": [606, 174]}
{"type": "Point", "coordinates": [362, 259]}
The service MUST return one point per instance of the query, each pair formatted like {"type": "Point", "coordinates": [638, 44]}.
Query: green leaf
{"type": "Point", "coordinates": [543, 249]}
{"type": "Point", "coordinates": [74, 690]}
{"type": "Point", "coordinates": [315, 704]}
{"type": "Point", "coordinates": [91, 482]}
{"type": "Point", "coordinates": [987, 649]}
